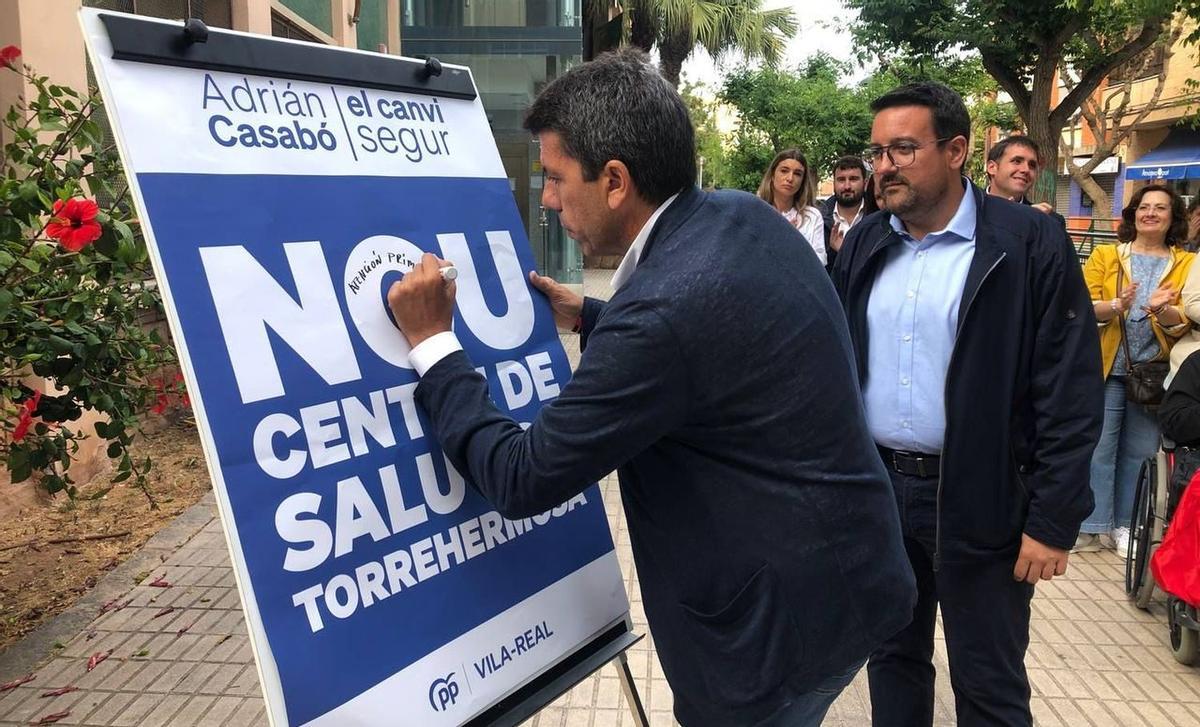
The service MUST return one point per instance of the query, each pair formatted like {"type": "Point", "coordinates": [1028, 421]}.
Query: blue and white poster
{"type": "Point", "coordinates": [379, 587]}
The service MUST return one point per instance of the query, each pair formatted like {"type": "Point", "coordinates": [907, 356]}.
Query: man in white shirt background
{"type": "Point", "coordinates": [846, 207]}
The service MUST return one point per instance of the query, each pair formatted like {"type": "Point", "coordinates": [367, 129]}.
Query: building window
{"type": "Point", "coordinates": [215, 13]}
{"type": "Point", "coordinates": [513, 48]}
{"type": "Point", "coordinates": [492, 13]}
{"type": "Point", "coordinates": [282, 27]}
{"type": "Point", "coordinates": [1108, 183]}
{"type": "Point", "coordinates": [372, 28]}
{"type": "Point", "coordinates": [317, 12]}
{"type": "Point", "coordinates": [1062, 194]}
{"type": "Point", "coordinates": [1147, 65]}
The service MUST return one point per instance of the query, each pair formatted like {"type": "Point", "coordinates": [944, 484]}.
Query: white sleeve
{"type": "Point", "coordinates": [812, 226]}
{"type": "Point", "coordinates": [433, 349]}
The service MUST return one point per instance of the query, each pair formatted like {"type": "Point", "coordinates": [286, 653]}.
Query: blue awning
{"type": "Point", "coordinates": [1177, 157]}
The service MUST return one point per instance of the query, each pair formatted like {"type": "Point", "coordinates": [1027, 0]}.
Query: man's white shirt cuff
{"type": "Point", "coordinates": [433, 349]}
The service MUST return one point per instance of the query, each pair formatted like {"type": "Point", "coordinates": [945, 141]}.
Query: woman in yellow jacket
{"type": "Point", "coordinates": [1151, 266]}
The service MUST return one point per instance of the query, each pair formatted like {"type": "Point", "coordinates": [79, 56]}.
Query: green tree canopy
{"type": "Point", "coordinates": [679, 27]}
{"type": "Point", "coordinates": [809, 108]}
{"type": "Point", "coordinates": [74, 303]}
{"type": "Point", "coordinates": [815, 109]}
{"type": "Point", "coordinates": [966, 75]}
{"type": "Point", "coordinates": [1023, 46]}
{"type": "Point", "coordinates": [710, 146]}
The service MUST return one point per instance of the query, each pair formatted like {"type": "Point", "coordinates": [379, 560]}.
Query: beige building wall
{"type": "Point", "coordinates": [1176, 96]}
{"type": "Point", "coordinates": [252, 16]}
{"type": "Point", "coordinates": [50, 41]}
{"type": "Point", "coordinates": [47, 32]}
{"type": "Point", "coordinates": [1178, 99]}
{"type": "Point", "coordinates": [1143, 140]}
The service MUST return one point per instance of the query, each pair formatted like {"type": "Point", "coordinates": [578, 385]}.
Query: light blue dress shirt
{"type": "Point", "coordinates": [912, 316]}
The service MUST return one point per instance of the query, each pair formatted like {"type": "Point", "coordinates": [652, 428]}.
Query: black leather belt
{"type": "Point", "coordinates": [913, 464]}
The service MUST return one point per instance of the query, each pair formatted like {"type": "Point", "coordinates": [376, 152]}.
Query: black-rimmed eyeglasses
{"type": "Point", "coordinates": [900, 154]}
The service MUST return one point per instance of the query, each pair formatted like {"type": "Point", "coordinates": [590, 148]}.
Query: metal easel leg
{"type": "Point", "coordinates": [631, 693]}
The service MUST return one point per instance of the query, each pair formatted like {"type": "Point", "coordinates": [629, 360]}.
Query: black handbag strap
{"type": "Point", "coordinates": [1121, 317]}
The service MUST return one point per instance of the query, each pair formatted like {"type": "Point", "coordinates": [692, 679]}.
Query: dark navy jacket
{"type": "Point", "coordinates": [720, 383]}
{"type": "Point", "coordinates": [827, 213]}
{"type": "Point", "coordinates": [1024, 391]}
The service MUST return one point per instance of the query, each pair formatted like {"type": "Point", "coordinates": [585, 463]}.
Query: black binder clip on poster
{"type": "Point", "coordinates": [433, 67]}
{"type": "Point", "coordinates": [194, 31]}
{"type": "Point", "coordinates": [196, 46]}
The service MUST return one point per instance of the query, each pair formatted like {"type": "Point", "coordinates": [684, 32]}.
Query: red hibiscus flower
{"type": "Point", "coordinates": [25, 418]}
{"type": "Point", "coordinates": [9, 55]}
{"type": "Point", "coordinates": [74, 223]}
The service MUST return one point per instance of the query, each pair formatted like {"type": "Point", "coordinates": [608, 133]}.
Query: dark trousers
{"type": "Point", "coordinates": [985, 617]}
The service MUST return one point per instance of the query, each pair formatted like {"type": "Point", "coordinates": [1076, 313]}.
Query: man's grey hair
{"type": "Point", "coordinates": [618, 107]}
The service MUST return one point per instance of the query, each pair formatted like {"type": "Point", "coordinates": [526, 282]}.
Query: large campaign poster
{"type": "Point", "coordinates": [379, 587]}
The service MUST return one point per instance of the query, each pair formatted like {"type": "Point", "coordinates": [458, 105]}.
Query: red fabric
{"type": "Point", "coordinates": [1176, 563]}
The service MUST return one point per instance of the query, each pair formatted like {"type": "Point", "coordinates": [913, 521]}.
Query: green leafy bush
{"type": "Point", "coordinates": [76, 295]}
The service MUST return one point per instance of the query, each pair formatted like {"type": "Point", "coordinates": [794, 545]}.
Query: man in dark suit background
{"type": "Point", "coordinates": [719, 382]}
{"type": "Point", "coordinates": [847, 206]}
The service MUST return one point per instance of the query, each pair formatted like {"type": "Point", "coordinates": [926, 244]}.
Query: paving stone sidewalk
{"type": "Point", "coordinates": [180, 655]}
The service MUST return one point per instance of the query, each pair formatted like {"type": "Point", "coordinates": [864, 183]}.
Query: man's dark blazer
{"type": "Point", "coordinates": [1059, 218]}
{"type": "Point", "coordinates": [720, 382]}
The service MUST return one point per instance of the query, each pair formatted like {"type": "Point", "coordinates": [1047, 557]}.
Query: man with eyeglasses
{"type": "Point", "coordinates": [979, 360]}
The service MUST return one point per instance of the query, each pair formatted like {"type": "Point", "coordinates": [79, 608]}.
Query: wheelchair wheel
{"type": "Point", "coordinates": [1139, 585]}
{"type": "Point", "coordinates": [1185, 641]}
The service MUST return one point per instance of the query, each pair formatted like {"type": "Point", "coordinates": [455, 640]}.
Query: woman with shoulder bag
{"type": "Point", "coordinates": [1135, 289]}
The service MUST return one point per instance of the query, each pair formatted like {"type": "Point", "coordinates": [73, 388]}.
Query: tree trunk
{"type": "Point", "coordinates": [1101, 203]}
{"type": "Point", "coordinates": [1039, 125]}
{"type": "Point", "coordinates": [1032, 105]}
{"type": "Point", "coordinates": [1112, 126]}
{"type": "Point", "coordinates": [672, 52]}
{"type": "Point", "coordinates": [1038, 128]}
{"type": "Point", "coordinates": [643, 26]}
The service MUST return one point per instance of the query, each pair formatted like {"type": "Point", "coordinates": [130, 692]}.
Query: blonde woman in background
{"type": "Point", "coordinates": [788, 186]}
